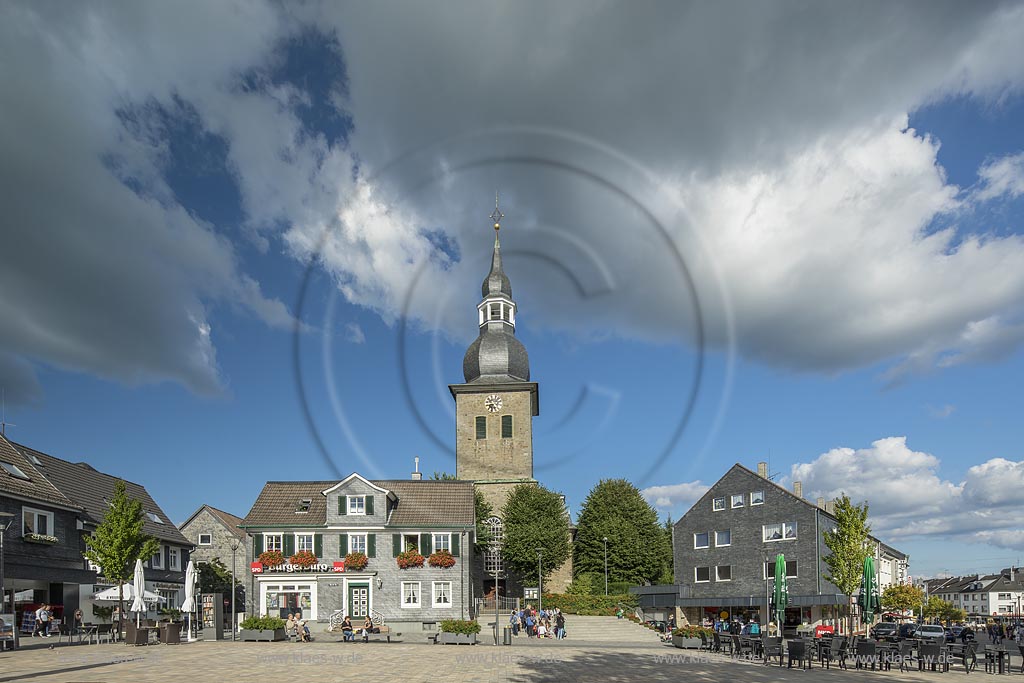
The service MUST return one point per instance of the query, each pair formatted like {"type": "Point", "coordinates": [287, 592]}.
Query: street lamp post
{"type": "Point", "coordinates": [6, 519]}
{"type": "Point", "coordinates": [540, 581]}
{"type": "Point", "coordinates": [606, 565]}
{"type": "Point", "coordinates": [234, 615]}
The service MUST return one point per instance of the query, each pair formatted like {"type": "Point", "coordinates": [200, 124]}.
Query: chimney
{"type": "Point", "coordinates": [798, 489]}
{"type": "Point", "coordinates": [762, 470]}
{"type": "Point", "coordinates": [821, 502]}
{"type": "Point", "coordinates": [830, 507]}
{"type": "Point", "coordinates": [417, 475]}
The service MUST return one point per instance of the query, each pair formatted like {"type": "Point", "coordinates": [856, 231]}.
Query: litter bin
{"type": "Point", "coordinates": [507, 637]}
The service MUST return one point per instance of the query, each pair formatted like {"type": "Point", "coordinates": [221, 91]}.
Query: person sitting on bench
{"type": "Point", "coordinates": [347, 630]}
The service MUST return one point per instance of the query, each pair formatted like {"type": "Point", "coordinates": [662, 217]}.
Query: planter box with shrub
{"type": "Point", "coordinates": [267, 629]}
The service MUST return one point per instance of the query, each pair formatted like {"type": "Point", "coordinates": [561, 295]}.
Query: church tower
{"type": "Point", "coordinates": [496, 405]}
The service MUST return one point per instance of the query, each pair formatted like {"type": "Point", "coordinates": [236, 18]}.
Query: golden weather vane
{"type": "Point", "coordinates": [497, 215]}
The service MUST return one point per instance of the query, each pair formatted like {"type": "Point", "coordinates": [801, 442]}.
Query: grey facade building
{"type": "Point", "coordinates": [57, 504]}
{"type": "Point", "coordinates": [215, 535]}
{"type": "Point", "coordinates": [725, 547]}
{"type": "Point", "coordinates": [379, 519]}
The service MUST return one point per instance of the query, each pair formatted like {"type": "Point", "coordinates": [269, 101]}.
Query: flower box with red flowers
{"type": "Point", "coordinates": [271, 558]}
{"type": "Point", "coordinates": [356, 561]}
{"type": "Point", "coordinates": [303, 558]}
{"type": "Point", "coordinates": [409, 559]}
{"type": "Point", "coordinates": [442, 559]}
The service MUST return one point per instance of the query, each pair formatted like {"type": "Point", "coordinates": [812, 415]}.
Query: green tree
{"type": "Point", "coordinates": [215, 577]}
{"type": "Point", "coordinates": [637, 547]}
{"type": "Point", "coordinates": [848, 546]}
{"type": "Point", "coordinates": [443, 476]}
{"type": "Point", "coordinates": [483, 511]}
{"type": "Point", "coordinates": [119, 540]}
{"type": "Point", "coordinates": [534, 517]}
{"type": "Point", "coordinates": [668, 564]}
{"type": "Point", "coordinates": [901, 597]}
{"type": "Point", "coordinates": [935, 607]}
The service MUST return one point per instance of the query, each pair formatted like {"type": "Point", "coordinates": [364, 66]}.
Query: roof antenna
{"type": "Point", "coordinates": [3, 413]}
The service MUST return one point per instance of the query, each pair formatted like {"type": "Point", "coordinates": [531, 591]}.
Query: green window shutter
{"type": "Point", "coordinates": [289, 545]}
{"type": "Point", "coordinates": [369, 505]}
{"type": "Point", "coordinates": [342, 507]}
{"type": "Point", "coordinates": [318, 545]}
{"type": "Point", "coordinates": [342, 545]}
{"type": "Point", "coordinates": [371, 545]}
{"type": "Point", "coordinates": [481, 427]}
{"type": "Point", "coordinates": [257, 545]}
{"type": "Point", "coordinates": [426, 544]}
{"type": "Point", "coordinates": [506, 426]}
{"type": "Point", "coordinates": [396, 544]}
{"type": "Point", "coordinates": [455, 544]}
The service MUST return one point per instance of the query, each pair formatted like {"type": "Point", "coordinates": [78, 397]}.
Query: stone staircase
{"type": "Point", "coordinates": [581, 629]}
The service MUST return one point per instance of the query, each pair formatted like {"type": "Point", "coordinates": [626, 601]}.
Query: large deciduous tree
{"type": "Point", "coordinates": [119, 540]}
{"type": "Point", "coordinates": [534, 517]}
{"type": "Point", "coordinates": [902, 597]}
{"type": "Point", "coordinates": [637, 546]}
{"type": "Point", "coordinates": [848, 546]}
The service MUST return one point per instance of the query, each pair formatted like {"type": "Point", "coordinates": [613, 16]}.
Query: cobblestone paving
{"type": "Point", "coordinates": [324, 662]}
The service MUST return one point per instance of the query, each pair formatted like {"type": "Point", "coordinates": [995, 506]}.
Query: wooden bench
{"type": "Point", "coordinates": [385, 634]}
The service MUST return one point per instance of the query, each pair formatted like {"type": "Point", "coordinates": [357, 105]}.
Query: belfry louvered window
{"type": "Point", "coordinates": [481, 427]}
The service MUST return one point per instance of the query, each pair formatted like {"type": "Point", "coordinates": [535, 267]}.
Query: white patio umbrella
{"type": "Point", "coordinates": [189, 606]}
{"type": "Point", "coordinates": [139, 588]}
{"type": "Point", "coordinates": [110, 595]}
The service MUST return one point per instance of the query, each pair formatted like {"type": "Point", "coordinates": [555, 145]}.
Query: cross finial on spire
{"type": "Point", "coordinates": [497, 215]}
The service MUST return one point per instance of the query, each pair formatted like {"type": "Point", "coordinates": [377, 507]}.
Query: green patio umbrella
{"type": "Point", "coordinates": [780, 597]}
{"type": "Point", "coordinates": [868, 600]}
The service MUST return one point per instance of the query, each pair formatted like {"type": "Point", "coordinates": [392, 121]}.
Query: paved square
{"type": "Point", "coordinates": [325, 662]}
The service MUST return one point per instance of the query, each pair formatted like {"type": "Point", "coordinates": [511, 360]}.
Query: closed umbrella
{"type": "Point", "coordinates": [189, 606]}
{"type": "Point", "coordinates": [781, 594]}
{"type": "Point", "coordinates": [139, 589]}
{"type": "Point", "coordinates": [868, 600]}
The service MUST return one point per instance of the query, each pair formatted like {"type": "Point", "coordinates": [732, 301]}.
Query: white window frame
{"type": "Point", "coordinates": [753, 501]}
{"type": "Point", "coordinates": [733, 498]}
{"type": "Point", "coordinates": [356, 505]}
{"type": "Point", "coordinates": [208, 541]}
{"type": "Point", "coordinates": [352, 538]}
{"type": "Point", "coordinates": [445, 538]}
{"type": "Point", "coordinates": [696, 579]}
{"type": "Point", "coordinates": [298, 542]}
{"type": "Point", "coordinates": [718, 577]}
{"type": "Point", "coordinates": [173, 563]}
{"type": "Point", "coordinates": [157, 560]}
{"type": "Point", "coordinates": [783, 527]}
{"type": "Point", "coordinates": [36, 512]}
{"type": "Point", "coordinates": [280, 542]}
{"type": "Point", "coordinates": [277, 587]}
{"type": "Point", "coordinates": [418, 595]}
{"type": "Point", "coordinates": [796, 569]}
{"type": "Point", "coordinates": [707, 544]}
{"type": "Point", "coordinates": [723, 545]}
{"type": "Point", "coordinates": [433, 591]}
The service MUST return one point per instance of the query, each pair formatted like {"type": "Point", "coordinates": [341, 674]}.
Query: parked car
{"type": "Point", "coordinates": [886, 629]}
{"type": "Point", "coordinates": [930, 631]}
{"type": "Point", "coordinates": [907, 630]}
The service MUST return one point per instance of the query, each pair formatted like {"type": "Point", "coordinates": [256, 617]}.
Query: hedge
{"type": "Point", "coordinates": [590, 605]}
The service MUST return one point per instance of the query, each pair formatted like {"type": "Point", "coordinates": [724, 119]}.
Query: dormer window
{"type": "Point", "coordinates": [303, 506]}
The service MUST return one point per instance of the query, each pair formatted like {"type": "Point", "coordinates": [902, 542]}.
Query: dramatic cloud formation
{"type": "Point", "coordinates": [908, 497]}
{"type": "Point", "coordinates": [819, 232]}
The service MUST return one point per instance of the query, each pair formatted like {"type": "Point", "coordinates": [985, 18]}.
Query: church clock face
{"type": "Point", "coordinates": [493, 403]}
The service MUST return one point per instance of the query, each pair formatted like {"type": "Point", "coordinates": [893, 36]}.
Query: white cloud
{"type": "Point", "coordinates": [909, 498]}
{"type": "Point", "coordinates": [675, 496]}
{"type": "Point", "coordinates": [941, 412]}
{"type": "Point", "coordinates": [1002, 176]}
{"type": "Point", "coordinates": [354, 333]}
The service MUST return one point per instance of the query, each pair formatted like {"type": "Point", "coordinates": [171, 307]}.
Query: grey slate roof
{"type": "Point", "coordinates": [37, 486]}
{"type": "Point", "coordinates": [426, 503]}
{"type": "Point", "coordinates": [91, 489]}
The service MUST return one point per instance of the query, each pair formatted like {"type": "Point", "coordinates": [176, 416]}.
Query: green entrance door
{"type": "Point", "coordinates": [358, 599]}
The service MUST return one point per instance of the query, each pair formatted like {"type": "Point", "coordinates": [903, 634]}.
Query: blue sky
{"type": "Point", "coordinates": [259, 258]}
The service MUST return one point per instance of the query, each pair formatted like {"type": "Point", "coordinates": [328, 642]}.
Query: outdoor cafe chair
{"type": "Point", "coordinates": [772, 647]}
{"type": "Point", "coordinates": [1021, 648]}
{"type": "Point", "coordinates": [742, 647]}
{"type": "Point", "coordinates": [799, 650]}
{"type": "Point", "coordinates": [902, 654]}
{"type": "Point", "coordinates": [931, 655]}
{"type": "Point", "coordinates": [835, 651]}
{"type": "Point", "coordinates": [996, 659]}
{"type": "Point", "coordinates": [966, 654]}
{"type": "Point", "coordinates": [866, 652]}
